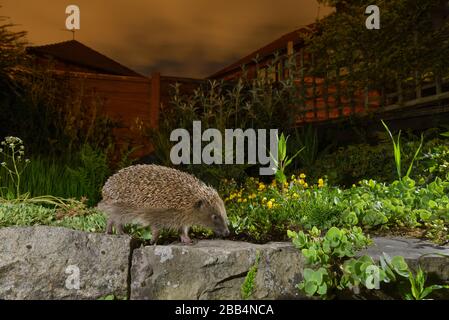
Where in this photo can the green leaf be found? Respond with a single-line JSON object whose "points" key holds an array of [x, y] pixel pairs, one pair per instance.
{"points": [[414, 157], [308, 273], [400, 266], [317, 276], [292, 234], [296, 154], [315, 232], [322, 290], [282, 148], [310, 288]]}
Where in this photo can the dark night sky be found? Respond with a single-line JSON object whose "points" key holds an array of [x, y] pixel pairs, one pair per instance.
{"points": [[192, 38]]}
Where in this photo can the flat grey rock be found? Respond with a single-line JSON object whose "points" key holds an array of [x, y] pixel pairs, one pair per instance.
{"points": [[46, 263], [431, 257], [407, 247], [215, 269]]}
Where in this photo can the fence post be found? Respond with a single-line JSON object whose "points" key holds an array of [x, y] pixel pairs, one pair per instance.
{"points": [[303, 84], [338, 93], [326, 95], [155, 99], [366, 98], [314, 89]]}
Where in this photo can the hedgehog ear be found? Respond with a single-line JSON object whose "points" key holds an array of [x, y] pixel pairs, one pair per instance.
{"points": [[199, 204]]}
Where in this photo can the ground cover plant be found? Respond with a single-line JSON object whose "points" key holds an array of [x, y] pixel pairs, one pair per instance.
{"points": [[335, 267]]}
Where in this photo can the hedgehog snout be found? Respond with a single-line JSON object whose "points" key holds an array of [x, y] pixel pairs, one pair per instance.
{"points": [[222, 232]]}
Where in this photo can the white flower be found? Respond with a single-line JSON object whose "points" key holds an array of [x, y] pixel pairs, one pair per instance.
{"points": [[13, 140]]}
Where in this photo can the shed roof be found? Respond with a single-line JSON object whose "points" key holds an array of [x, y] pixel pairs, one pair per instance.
{"points": [[74, 52], [277, 45]]}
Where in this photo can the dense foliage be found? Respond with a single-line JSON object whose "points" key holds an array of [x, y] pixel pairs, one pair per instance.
{"points": [[260, 212], [335, 267], [348, 165], [243, 103], [409, 47]]}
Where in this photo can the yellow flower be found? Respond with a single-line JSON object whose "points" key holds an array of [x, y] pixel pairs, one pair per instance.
{"points": [[295, 195], [301, 181], [273, 183], [252, 196], [320, 183], [293, 177], [245, 200], [264, 200], [261, 186], [302, 176], [239, 200], [353, 185], [269, 204], [306, 185]]}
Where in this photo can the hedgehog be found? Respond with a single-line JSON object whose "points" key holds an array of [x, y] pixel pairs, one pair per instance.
{"points": [[162, 198]]}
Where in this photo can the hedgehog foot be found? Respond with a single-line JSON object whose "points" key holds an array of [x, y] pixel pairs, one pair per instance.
{"points": [[186, 240]]}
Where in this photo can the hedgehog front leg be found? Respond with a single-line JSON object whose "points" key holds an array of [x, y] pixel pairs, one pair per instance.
{"points": [[154, 235], [109, 226], [119, 228], [185, 235]]}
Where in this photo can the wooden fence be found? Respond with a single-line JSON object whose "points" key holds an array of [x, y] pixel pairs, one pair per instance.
{"points": [[132, 102], [334, 98]]}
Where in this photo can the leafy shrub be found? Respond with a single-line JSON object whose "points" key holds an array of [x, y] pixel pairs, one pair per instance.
{"points": [[348, 165], [80, 176], [53, 117], [26, 214], [91, 173], [245, 103], [334, 267], [328, 254], [265, 212]]}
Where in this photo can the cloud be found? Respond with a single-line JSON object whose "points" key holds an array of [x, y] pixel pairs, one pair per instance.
{"points": [[191, 38]]}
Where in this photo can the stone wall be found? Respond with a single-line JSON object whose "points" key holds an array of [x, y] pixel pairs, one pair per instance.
{"points": [[57, 263]]}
